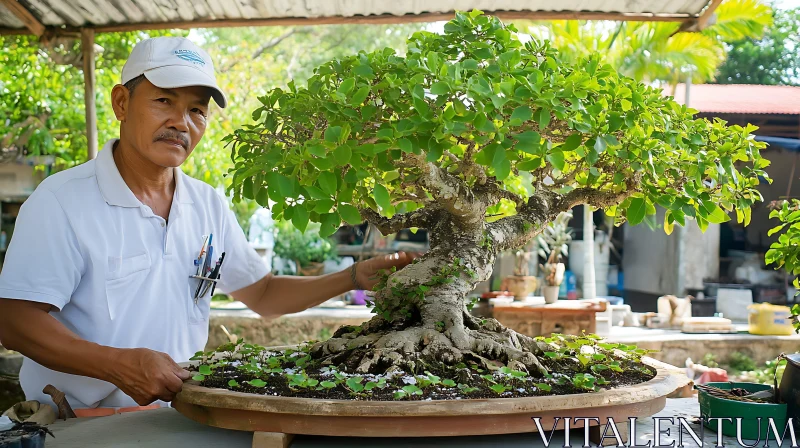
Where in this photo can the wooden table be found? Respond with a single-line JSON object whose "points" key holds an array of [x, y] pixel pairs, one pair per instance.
{"points": [[565, 316]]}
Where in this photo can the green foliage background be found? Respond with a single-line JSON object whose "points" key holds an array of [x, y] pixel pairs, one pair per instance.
{"points": [[41, 86]]}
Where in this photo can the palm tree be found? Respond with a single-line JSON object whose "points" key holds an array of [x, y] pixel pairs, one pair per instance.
{"points": [[658, 51]]}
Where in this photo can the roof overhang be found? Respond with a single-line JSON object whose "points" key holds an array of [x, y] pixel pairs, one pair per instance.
{"points": [[40, 17]]}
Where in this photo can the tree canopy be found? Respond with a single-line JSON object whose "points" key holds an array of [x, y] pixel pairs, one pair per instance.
{"points": [[474, 115], [770, 60]]}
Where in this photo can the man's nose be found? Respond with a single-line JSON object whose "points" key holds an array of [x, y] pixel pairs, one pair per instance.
{"points": [[179, 120]]}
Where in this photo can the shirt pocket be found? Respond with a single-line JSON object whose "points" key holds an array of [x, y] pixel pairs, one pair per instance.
{"points": [[198, 312], [125, 276]]}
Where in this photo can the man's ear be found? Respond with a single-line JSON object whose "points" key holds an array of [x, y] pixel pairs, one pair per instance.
{"points": [[120, 101]]}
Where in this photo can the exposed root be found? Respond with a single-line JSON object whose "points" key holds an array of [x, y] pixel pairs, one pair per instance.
{"points": [[490, 345]]}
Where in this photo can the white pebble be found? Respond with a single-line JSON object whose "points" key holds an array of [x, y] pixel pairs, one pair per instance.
{"points": [[409, 379]]}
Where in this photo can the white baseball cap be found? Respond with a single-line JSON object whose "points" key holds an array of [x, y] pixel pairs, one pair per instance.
{"points": [[172, 62]]}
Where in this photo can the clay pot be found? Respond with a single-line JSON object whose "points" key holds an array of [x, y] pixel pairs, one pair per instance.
{"points": [[311, 270], [550, 293], [520, 286]]}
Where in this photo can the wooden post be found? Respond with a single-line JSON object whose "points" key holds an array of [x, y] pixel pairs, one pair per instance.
{"points": [[87, 50]]}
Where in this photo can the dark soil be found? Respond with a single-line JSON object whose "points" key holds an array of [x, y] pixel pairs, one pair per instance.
{"points": [[277, 370]]}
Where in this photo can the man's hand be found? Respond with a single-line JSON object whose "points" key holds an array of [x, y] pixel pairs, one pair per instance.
{"points": [[146, 375], [367, 270]]}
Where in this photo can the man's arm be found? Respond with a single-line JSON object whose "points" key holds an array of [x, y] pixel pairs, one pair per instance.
{"points": [[276, 295], [144, 375]]}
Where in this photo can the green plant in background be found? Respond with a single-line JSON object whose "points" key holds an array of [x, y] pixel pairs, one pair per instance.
{"points": [[659, 51], [785, 253], [553, 242], [765, 374], [475, 133], [41, 82], [770, 60], [741, 362], [303, 248], [709, 360]]}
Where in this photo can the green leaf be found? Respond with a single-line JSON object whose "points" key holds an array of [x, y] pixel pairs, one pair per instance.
{"points": [[499, 388], [440, 88], [636, 211], [199, 377], [342, 154], [333, 133], [256, 382], [556, 158], [543, 387], [522, 113], [300, 217], [204, 370], [543, 117], [718, 216], [328, 182], [354, 383], [572, 142], [381, 196], [599, 145], [350, 214], [412, 390], [363, 70], [329, 223], [327, 384], [360, 95], [346, 86], [529, 141]]}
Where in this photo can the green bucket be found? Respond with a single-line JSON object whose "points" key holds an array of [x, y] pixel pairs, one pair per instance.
{"points": [[714, 407]]}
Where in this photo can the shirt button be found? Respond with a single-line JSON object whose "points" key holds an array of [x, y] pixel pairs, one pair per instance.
{"points": [[162, 224]]}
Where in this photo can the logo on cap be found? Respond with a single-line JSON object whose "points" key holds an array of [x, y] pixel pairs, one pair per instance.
{"points": [[190, 55]]}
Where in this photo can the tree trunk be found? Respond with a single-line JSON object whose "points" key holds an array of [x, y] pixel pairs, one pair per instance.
{"points": [[411, 332]]}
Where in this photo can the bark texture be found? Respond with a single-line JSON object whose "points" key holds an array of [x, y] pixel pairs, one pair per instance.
{"points": [[415, 332]]}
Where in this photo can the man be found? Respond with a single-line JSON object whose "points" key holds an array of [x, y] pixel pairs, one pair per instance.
{"points": [[96, 288]]}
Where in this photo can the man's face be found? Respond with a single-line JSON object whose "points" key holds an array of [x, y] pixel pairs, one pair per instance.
{"points": [[162, 125]]}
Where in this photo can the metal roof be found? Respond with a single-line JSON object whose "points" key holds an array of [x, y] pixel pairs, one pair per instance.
{"points": [[741, 98], [38, 16]]}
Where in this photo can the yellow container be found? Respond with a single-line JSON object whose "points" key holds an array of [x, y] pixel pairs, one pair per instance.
{"points": [[769, 319]]}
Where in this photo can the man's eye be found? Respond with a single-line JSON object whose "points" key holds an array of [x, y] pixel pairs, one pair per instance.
{"points": [[199, 111]]}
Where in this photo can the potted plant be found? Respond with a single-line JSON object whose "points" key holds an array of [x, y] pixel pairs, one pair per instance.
{"points": [[306, 249], [553, 242], [483, 140], [521, 283]]}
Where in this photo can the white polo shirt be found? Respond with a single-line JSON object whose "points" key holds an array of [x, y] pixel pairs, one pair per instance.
{"points": [[118, 273]]}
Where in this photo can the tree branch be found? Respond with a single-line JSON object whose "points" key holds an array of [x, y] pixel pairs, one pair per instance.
{"points": [[272, 43], [491, 193], [450, 192], [421, 218], [514, 231]]}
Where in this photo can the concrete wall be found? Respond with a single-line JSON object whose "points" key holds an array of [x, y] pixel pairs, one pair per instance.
{"points": [[18, 179], [656, 264]]}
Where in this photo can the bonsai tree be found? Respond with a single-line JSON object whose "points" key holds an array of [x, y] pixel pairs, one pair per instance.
{"points": [[305, 248], [483, 140]]}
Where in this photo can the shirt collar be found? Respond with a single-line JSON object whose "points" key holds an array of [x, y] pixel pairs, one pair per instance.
{"points": [[113, 187]]}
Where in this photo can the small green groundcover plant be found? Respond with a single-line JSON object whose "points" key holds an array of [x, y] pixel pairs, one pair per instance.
{"points": [[483, 139], [576, 364]]}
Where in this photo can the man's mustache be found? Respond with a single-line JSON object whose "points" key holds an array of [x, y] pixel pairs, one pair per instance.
{"points": [[170, 135]]}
